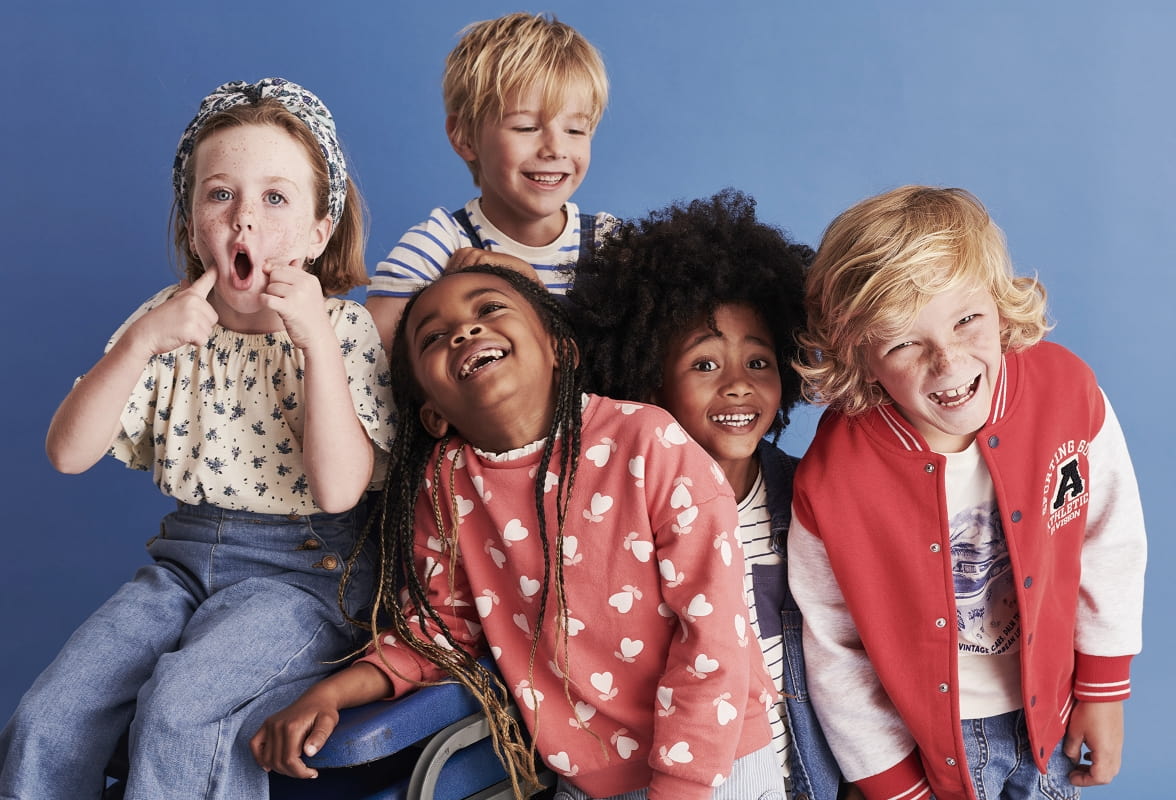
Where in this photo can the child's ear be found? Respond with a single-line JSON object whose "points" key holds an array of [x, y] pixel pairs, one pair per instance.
{"points": [[319, 236], [434, 423], [459, 145]]}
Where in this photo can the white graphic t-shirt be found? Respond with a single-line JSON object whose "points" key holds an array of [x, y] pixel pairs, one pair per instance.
{"points": [[987, 618]]}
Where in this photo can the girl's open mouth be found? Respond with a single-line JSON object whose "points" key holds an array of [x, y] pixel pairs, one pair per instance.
{"points": [[242, 265], [478, 360]]}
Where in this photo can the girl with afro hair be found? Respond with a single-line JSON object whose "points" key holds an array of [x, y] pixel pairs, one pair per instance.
{"points": [[696, 308]]}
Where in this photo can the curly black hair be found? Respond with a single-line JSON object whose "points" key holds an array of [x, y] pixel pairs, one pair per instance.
{"points": [[655, 278]]}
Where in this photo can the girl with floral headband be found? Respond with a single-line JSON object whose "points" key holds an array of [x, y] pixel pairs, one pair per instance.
{"points": [[259, 403]]}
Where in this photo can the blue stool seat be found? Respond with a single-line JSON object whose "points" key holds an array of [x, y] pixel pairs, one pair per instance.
{"points": [[431, 744]]}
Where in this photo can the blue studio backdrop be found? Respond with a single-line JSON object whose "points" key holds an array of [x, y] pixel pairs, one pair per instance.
{"points": [[1058, 115]]}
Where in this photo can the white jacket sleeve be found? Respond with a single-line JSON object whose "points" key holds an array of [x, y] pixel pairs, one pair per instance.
{"points": [[1110, 597], [863, 728]]}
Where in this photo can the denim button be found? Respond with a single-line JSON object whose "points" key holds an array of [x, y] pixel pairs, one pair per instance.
{"points": [[293, 517], [994, 441], [1028, 581], [929, 468], [935, 548], [941, 623], [1015, 516], [943, 687], [951, 762]]}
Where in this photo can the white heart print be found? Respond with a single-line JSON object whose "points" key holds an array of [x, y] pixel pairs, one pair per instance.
{"points": [[699, 607], [599, 454], [600, 504], [514, 531], [637, 469]]}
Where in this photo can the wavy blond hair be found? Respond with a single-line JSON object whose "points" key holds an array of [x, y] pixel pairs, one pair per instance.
{"points": [[498, 59], [879, 264]]}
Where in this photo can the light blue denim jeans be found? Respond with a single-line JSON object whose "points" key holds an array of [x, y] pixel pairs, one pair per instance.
{"points": [[756, 776], [1000, 761], [237, 617]]}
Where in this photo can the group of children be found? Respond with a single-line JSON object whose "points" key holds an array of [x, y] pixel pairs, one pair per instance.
{"points": [[567, 460]]}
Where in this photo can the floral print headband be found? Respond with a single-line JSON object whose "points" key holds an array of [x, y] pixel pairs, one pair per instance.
{"points": [[299, 102]]}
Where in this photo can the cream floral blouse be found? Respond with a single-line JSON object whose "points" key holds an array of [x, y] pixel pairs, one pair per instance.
{"points": [[222, 423]]}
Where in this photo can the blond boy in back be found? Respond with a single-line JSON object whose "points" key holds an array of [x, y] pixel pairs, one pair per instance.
{"points": [[523, 95]]}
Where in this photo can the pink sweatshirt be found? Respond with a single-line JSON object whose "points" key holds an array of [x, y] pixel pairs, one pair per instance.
{"points": [[666, 679]]}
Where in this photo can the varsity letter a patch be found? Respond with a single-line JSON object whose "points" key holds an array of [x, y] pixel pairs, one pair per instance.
{"points": [[1070, 483], [1066, 487]]}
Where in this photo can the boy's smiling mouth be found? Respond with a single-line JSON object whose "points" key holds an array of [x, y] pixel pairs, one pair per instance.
{"points": [[546, 178], [951, 398], [478, 360]]}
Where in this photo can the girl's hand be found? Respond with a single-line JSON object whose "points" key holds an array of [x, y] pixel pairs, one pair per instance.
{"points": [[302, 728], [185, 318], [297, 297], [306, 724]]}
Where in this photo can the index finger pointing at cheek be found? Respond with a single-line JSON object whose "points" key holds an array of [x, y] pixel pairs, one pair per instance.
{"points": [[203, 285]]}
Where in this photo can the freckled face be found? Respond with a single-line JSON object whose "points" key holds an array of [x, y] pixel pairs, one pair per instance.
{"points": [[724, 388], [253, 203], [941, 372]]}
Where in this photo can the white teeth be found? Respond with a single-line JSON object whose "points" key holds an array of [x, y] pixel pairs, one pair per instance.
{"points": [[550, 179], [479, 360], [734, 420], [954, 397]]}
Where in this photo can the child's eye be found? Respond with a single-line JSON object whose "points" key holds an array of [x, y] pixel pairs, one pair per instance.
{"points": [[490, 307], [525, 128], [221, 195], [967, 319], [275, 198], [706, 365], [900, 346], [759, 363], [430, 338], [577, 132]]}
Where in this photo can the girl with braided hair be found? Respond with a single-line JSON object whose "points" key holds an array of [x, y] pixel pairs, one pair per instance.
{"points": [[589, 544], [258, 402]]}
